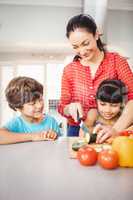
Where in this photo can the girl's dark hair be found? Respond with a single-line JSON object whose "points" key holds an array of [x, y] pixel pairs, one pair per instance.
{"points": [[86, 22], [21, 90], [111, 91]]}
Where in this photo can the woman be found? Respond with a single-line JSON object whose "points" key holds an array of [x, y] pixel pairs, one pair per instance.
{"points": [[81, 78]]}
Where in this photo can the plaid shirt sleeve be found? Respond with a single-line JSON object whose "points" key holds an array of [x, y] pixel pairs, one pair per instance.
{"points": [[125, 74], [75, 88]]}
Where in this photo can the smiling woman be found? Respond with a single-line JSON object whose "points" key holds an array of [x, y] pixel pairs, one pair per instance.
{"points": [[91, 65]]}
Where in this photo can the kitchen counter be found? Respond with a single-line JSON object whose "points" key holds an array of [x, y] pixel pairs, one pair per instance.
{"points": [[44, 171]]}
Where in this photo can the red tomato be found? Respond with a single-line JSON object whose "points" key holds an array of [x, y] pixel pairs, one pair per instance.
{"points": [[108, 159], [87, 155], [126, 133]]}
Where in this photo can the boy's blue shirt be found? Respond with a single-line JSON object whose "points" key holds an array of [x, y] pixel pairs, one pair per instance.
{"points": [[20, 125]]}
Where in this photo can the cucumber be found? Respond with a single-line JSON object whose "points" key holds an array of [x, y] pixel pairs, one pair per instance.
{"points": [[93, 137], [77, 145]]}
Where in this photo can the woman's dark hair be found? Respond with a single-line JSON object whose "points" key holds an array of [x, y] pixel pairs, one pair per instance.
{"points": [[111, 91], [21, 90], [86, 22]]}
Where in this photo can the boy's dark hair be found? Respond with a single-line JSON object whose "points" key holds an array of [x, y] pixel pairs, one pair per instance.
{"points": [[21, 90], [87, 22], [111, 91]]}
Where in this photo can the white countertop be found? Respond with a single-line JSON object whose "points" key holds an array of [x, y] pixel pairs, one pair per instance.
{"points": [[44, 171]]}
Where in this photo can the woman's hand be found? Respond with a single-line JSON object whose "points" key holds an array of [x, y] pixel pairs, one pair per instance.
{"points": [[104, 132], [74, 110]]}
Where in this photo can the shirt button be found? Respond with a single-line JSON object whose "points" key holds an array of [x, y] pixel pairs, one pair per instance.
{"points": [[91, 87], [91, 96]]}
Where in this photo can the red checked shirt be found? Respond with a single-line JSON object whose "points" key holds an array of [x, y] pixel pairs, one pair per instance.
{"points": [[79, 86]]}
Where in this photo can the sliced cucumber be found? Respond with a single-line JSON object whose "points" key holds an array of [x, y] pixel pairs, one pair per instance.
{"points": [[87, 137], [78, 144]]}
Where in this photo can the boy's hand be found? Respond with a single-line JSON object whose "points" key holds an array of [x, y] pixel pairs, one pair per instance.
{"points": [[51, 135], [46, 135]]}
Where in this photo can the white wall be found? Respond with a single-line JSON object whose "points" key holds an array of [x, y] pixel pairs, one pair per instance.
{"points": [[27, 25], [97, 9], [119, 29], [39, 25], [70, 3]]}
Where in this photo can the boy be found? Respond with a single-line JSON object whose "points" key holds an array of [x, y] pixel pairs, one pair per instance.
{"points": [[110, 98], [25, 95]]}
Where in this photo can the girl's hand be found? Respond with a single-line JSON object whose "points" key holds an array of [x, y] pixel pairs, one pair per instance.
{"points": [[74, 110], [104, 132]]}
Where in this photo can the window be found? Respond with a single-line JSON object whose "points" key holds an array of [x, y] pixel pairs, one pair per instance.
{"points": [[54, 73], [6, 76]]}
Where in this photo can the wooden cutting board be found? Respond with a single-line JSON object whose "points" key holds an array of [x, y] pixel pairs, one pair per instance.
{"points": [[97, 147]]}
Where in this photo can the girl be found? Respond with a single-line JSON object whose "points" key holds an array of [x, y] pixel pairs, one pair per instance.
{"points": [[110, 97]]}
